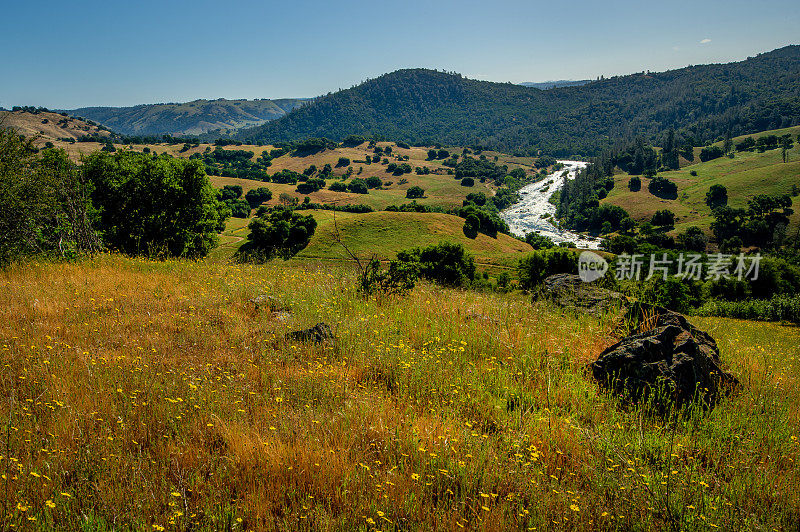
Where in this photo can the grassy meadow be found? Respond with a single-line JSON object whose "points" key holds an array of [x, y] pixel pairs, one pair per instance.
{"points": [[154, 396], [745, 175]]}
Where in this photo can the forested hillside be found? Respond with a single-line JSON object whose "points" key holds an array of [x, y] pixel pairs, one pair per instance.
{"points": [[422, 106], [192, 118]]}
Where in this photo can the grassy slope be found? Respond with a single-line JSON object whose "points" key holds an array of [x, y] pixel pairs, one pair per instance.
{"points": [[384, 234], [745, 175], [113, 366]]}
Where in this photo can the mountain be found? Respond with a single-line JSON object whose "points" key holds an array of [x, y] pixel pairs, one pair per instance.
{"points": [[426, 106], [544, 85], [192, 118]]}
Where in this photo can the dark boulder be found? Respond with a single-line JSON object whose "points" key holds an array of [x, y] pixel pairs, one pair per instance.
{"points": [[317, 334], [671, 363]]}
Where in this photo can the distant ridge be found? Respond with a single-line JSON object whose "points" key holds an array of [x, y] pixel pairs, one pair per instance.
{"points": [[190, 118], [544, 85], [423, 106]]}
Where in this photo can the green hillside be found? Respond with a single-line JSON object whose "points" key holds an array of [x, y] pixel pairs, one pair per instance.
{"points": [[191, 118], [427, 106], [745, 175]]}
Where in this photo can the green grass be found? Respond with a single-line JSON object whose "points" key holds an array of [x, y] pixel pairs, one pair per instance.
{"points": [[140, 395], [747, 174], [384, 234]]}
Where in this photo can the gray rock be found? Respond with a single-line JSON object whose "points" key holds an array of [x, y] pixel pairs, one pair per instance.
{"points": [[673, 363], [568, 290], [318, 333]]}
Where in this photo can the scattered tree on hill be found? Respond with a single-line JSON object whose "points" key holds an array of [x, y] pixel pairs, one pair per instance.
{"points": [[445, 263], [257, 196], [277, 232], [717, 196], [693, 239], [663, 188], [635, 184], [663, 218], [415, 192]]}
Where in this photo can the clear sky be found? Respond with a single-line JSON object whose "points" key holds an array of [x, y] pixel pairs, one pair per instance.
{"points": [[82, 53]]}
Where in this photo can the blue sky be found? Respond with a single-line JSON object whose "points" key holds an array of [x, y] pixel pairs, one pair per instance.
{"points": [[81, 53]]}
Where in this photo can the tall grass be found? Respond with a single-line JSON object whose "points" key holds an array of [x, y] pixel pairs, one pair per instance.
{"points": [[150, 395], [778, 308]]}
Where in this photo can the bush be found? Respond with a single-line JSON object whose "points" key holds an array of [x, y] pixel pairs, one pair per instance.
{"points": [[358, 186], [445, 263], [239, 208], [338, 186], [312, 185], [711, 152], [343, 161], [539, 265], [777, 308], [397, 280], [155, 205], [231, 192], [277, 232], [538, 241], [257, 196], [467, 182], [374, 182], [717, 196], [415, 192], [663, 188], [663, 218]]}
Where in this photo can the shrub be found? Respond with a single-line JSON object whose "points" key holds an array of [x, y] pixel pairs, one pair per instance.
{"points": [[711, 152], [538, 241], [239, 208], [415, 192], [663, 188], [445, 263], [537, 266], [277, 232], [717, 196], [397, 280], [257, 196], [358, 186], [663, 218]]}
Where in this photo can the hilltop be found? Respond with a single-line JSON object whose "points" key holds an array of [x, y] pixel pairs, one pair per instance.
{"points": [[425, 106], [190, 118], [50, 125]]}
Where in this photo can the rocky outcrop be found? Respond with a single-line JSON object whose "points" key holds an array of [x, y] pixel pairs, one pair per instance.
{"points": [[672, 363], [319, 333], [570, 291]]}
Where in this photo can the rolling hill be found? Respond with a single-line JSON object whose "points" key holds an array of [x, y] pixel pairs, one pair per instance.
{"points": [[426, 106], [191, 118], [744, 176]]}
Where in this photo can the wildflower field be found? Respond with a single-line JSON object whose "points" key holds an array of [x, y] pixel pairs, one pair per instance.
{"points": [[139, 395]]}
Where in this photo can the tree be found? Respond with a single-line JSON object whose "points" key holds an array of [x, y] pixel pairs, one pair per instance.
{"points": [[711, 152], [635, 184], [693, 239], [415, 192], [257, 196], [446, 263], [45, 208], [663, 218], [472, 225], [358, 186], [154, 205], [717, 196], [663, 188], [287, 199], [231, 192], [467, 182], [278, 232], [538, 241]]}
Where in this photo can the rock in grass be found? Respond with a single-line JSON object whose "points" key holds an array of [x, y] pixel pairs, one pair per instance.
{"points": [[317, 334], [568, 290], [673, 363]]}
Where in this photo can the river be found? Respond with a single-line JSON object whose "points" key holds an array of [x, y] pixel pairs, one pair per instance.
{"points": [[534, 212]]}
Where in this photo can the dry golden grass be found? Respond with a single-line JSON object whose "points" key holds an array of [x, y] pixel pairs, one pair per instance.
{"points": [[150, 395]]}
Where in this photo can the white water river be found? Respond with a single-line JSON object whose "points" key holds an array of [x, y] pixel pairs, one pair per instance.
{"points": [[535, 213]]}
